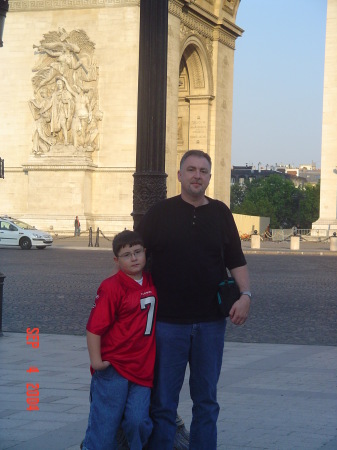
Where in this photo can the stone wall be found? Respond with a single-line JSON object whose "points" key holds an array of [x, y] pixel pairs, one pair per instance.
{"points": [[49, 181], [51, 189]]}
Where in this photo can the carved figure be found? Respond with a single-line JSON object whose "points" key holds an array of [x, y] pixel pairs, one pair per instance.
{"points": [[68, 55], [82, 116], [62, 107], [42, 138], [64, 54], [93, 140], [65, 94]]}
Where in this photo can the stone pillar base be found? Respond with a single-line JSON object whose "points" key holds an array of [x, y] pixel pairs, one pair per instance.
{"points": [[255, 241], [333, 244], [294, 243]]}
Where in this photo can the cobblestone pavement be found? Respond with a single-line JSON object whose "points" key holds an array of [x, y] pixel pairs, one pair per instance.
{"points": [[295, 296]]}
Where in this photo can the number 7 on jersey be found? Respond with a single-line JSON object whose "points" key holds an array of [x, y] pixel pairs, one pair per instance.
{"points": [[150, 313]]}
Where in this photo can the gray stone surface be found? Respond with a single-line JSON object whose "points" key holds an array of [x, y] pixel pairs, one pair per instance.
{"points": [[278, 385], [272, 396], [294, 294]]}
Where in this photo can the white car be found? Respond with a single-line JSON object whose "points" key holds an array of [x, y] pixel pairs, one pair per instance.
{"points": [[14, 232]]}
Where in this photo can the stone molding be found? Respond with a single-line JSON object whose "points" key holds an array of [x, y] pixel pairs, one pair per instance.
{"points": [[195, 26], [103, 217], [190, 24], [47, 5], [57, 168], [85, 216], [224, 38], [60, 167], [231, 6], [202, 98], [175, 8]]}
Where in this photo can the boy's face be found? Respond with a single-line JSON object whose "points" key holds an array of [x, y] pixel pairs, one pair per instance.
{"points": [[131, 260]]}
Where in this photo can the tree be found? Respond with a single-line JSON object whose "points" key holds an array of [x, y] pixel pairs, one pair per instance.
{"points": [[279, 199], [309, 205], [238, 193]]}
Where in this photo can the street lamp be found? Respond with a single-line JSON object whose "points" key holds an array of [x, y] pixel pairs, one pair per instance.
{"points": [[3, 11]]}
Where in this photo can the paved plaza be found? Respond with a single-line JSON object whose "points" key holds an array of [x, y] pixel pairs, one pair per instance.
{"points": [[278, 385]]}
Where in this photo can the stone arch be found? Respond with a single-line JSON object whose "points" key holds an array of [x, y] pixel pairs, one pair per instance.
{"points": [[198, 62], [194, 98]]}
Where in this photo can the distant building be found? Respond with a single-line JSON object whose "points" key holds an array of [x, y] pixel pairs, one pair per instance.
{"points": [[304, 174], [241, 174], [312, 175]]}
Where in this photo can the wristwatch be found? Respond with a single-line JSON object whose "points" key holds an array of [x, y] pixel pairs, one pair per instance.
{"points": [[246, 293]]}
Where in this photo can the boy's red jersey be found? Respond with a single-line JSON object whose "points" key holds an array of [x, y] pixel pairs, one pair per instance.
{"points": [[124, 315]]}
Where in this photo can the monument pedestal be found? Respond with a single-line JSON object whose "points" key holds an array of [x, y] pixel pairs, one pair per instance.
{"points": [[324, 227], [58, 189]]}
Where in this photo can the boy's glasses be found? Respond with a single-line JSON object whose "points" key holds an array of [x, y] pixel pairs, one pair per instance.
{"points": [[129, 255]]}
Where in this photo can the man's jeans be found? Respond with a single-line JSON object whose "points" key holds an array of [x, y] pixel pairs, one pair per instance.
{"points": [[200, 345], [116, 401]]}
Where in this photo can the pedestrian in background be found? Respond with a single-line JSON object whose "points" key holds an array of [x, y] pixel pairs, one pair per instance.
{"points": [[77, 227]]}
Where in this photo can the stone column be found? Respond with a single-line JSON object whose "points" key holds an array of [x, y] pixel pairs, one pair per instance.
{"points": [[199, 121], [328, 201], [3, 11], [150, 177]]}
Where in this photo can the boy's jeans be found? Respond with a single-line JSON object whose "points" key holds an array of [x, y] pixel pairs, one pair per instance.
{"points": [[200, 345], [115, 401]]}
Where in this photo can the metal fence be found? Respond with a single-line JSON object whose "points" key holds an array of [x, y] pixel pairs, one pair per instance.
{"points": [[306, 234]]}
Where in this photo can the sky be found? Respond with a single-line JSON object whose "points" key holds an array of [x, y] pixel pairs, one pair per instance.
{"points": [[278, 82]]}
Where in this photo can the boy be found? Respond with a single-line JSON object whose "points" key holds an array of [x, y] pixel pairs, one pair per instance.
{"points": [[121, 345]]}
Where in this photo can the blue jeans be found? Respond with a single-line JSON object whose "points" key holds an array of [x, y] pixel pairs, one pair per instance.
{"points": [[115, 401], [200, 345]]}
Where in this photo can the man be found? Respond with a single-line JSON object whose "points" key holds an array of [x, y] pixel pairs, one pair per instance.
{"points": [[189, 239], [77, 226]]}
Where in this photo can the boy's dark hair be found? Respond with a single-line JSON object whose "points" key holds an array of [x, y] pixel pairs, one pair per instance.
{"points": [[198, 153], [124, 238]]}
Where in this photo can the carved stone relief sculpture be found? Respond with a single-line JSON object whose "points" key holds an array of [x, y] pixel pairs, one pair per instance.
{"points": [[65, 106]]}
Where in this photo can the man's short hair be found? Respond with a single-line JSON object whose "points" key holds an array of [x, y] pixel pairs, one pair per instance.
{"points": [[124, 238], [198, 153]]}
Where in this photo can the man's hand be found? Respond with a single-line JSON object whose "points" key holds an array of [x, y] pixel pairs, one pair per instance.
{"points": [[239, 312]]}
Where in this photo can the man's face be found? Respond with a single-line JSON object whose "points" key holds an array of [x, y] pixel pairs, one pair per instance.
{"points": [[131, 260], [194, 176], [59, 85]]}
